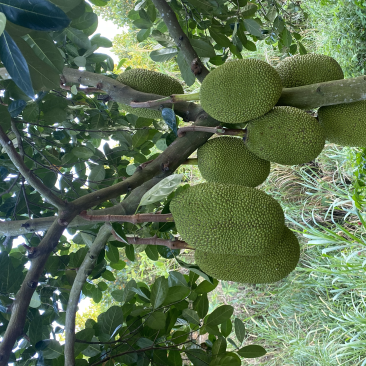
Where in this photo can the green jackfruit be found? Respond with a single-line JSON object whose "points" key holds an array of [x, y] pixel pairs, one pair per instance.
{"points": [[272, 267], [285, 135], [228, 218], [148, 81], [308, 69], [344, 124], [227, 160], [240, 90]]}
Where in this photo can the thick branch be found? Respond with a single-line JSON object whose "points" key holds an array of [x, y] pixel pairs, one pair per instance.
{"points": [[27, 173], [132, 219], [124, 94], [217, 130], [82, 274], [323, 94], [171, 244], [29, 285], [181, 39]]}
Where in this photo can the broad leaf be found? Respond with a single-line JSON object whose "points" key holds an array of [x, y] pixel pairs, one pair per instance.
{"points": [[253, 27], [156, 320], [35, 14], [163, 55], [2, 22], [239, 330], [110, 320], [220, 315], [159, 291], [252, 351]]}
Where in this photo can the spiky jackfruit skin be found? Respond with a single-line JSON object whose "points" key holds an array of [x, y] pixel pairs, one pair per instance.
{"points": [[285, 135], [308, 69], [268, 268], [148, 81], [344, 124], [240, 90], [227, 160], [225, 219]]}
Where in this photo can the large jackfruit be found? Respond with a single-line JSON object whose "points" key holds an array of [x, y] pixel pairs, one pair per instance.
{"points": [[228, 219], [240, 90], [344, 124], [226, 159], [285, 135], [308, 69], [148, 81], [268, 268]]}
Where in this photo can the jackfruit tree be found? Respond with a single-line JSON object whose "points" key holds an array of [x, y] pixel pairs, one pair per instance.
{"points": [[68, 146]]}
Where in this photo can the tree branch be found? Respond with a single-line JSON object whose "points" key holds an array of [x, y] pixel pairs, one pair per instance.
{"points": [[132, 219], [181, 39], [27, 173], [222, 131], [82, 274]]}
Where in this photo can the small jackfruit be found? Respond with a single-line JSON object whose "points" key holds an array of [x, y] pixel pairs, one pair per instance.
{"points": [[228, 218], [344, 124], [271, 267], [240, 90], [148, 81], [226, 159], [308, 69], [285, 135]]}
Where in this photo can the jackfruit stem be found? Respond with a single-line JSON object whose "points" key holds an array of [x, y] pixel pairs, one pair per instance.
{"points": [[216, 130], [133, 219], [174, 98], [191, 161], [171, 244]]}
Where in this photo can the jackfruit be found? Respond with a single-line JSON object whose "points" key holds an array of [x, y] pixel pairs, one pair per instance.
{"points": [[226, 159], [271, 267], [285, 135], [344, 124], [148, 81], [308, 69], [240, 90], [228, 218]]}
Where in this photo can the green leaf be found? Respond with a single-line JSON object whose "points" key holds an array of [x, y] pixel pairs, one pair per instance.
{"points": [[143, 34], [194, 268], [110, 320], [2, 22], [219, 347], [130, 252], [286, 38], [220, 38], [252, 351], [82, 152], [35, 14], [278, 25], [174, 358], [118, 295], [201, 305], [108, 275], [203, 48], [198, 357], [101, 41], [140, 137], [142, 23], [156, 320], [176, 293], [119, 265], [302, 49], [10, 277], [220, 315], [112, 253], [141, 293], [97, 174], [35, 329], [226, 328], [84, 21], [249, 10], [228, 359], [52, 350], [253, 27], [191, 316], [67, 5], [15, 64], [78, 37], [250, 46], [102, 286], [84, 335], [5, 118], [185, 69], [239, 330], [152, 252], [205, 287], [176, 279], [35, 300], [161, 190], [159, 291], [163, 55], [80, 61]]}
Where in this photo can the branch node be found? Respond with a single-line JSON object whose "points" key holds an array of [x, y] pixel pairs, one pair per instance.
{"points": [[32, 284], [196, 67]]}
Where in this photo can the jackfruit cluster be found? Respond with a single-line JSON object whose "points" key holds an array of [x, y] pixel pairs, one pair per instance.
{"points": [[344, 124], [227, 219], [268, 268], [227, 160], [148, 81], [240, 90], [285, 135], [308, 69]]}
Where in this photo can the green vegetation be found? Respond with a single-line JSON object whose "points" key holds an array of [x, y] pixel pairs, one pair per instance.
{"points": [[344, 124], [270, 267], [308, 69], [148, 81], [228, 219], [285, 135], [227, 160], [240, 90]]}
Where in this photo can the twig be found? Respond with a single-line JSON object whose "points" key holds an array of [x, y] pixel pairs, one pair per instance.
{"points": [[27, 173], [217, 130], [133, 219]]}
